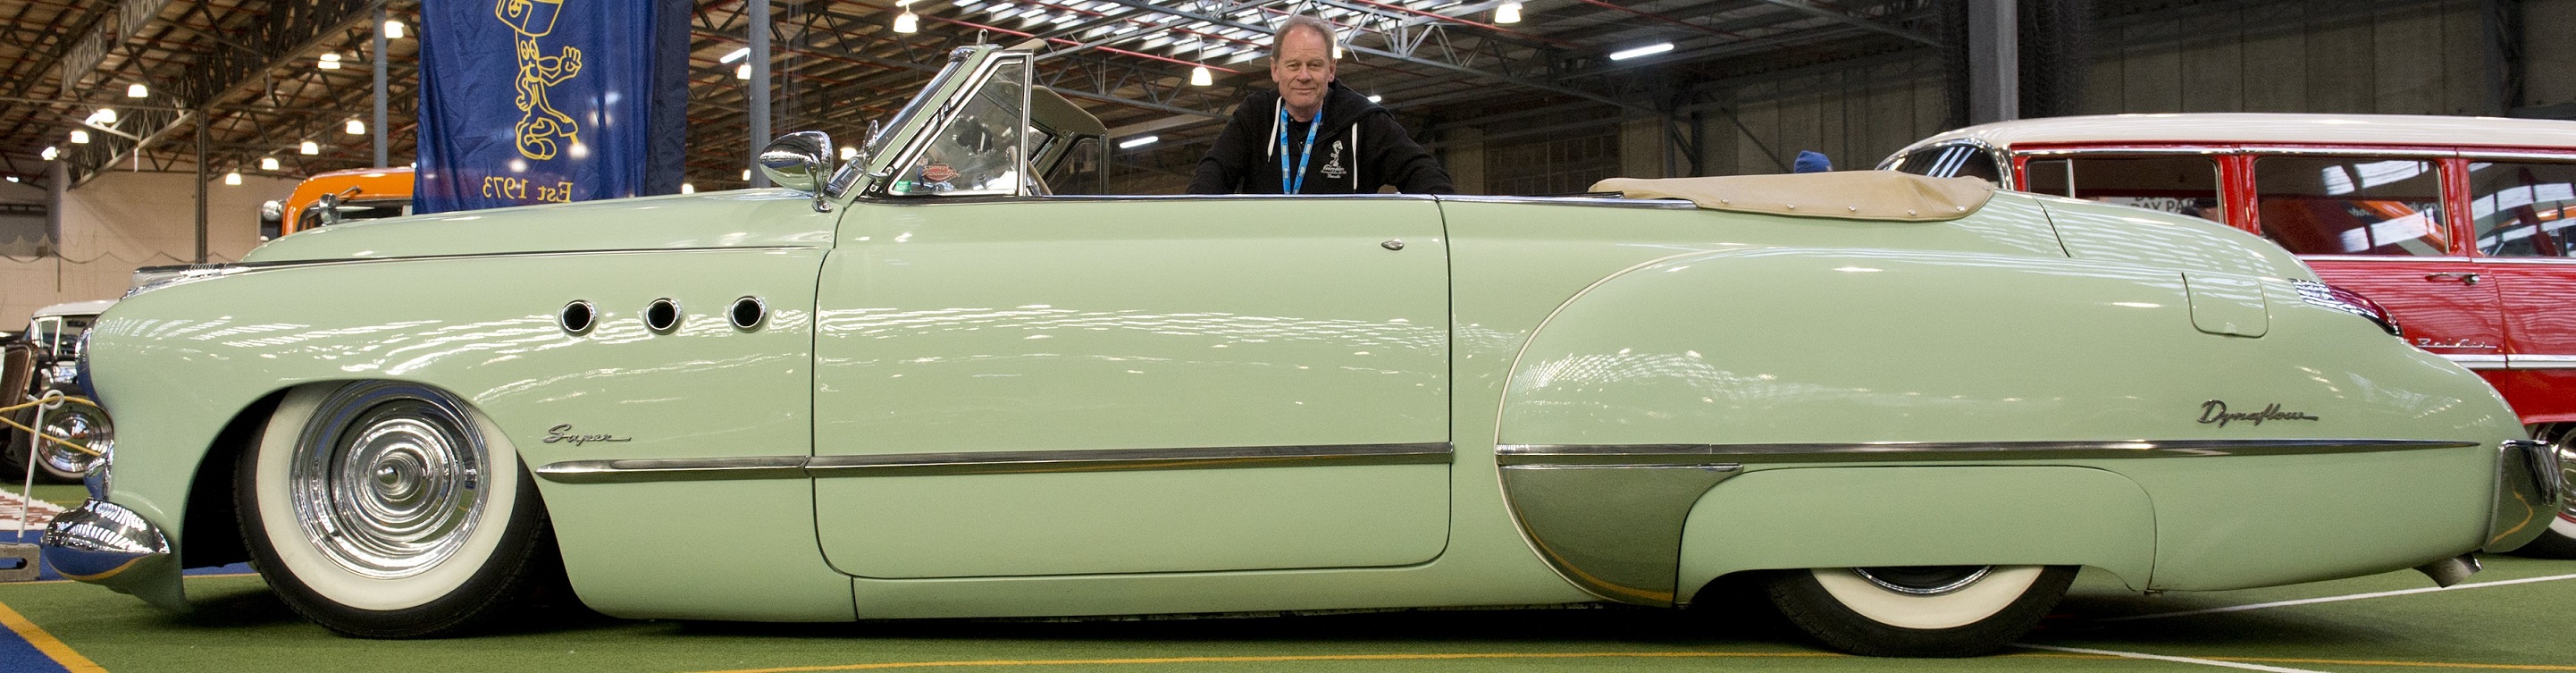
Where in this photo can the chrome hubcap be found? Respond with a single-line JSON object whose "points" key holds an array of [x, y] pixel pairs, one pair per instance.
{"points": [[79, 426], [1923, 580], [388, 478], [2564, 442]]}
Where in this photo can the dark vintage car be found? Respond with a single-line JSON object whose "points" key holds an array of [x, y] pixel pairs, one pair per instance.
{"points": [[37, 363]]}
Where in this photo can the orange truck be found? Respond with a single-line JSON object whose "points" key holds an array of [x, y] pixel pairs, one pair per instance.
{"points": [[355, 194]]}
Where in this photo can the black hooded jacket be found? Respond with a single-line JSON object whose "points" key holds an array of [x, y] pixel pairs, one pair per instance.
{"points": [[1359, 148]]}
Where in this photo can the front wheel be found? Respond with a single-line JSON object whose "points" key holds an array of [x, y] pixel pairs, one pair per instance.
{"points": [[392, 510], [2559, 542], [1919, 611]]}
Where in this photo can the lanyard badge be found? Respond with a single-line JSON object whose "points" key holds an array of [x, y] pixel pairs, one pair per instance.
{"points": [[1295, 182]]}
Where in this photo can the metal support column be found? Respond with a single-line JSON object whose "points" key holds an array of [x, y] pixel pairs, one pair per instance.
{"points": [[757, 90], [1994, 62], [378, 56], [201, 185]]}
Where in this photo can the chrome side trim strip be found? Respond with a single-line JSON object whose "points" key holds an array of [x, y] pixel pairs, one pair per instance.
{"points": [[990, 462], [1126, 460], [2384, 258], [1605, 455], [2476, 361], [2540, 361], [281, 264], [2543, 261], [673, 469]]}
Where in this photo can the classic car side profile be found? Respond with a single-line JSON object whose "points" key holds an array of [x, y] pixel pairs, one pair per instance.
{"points": [[37, 365], [932, 383], [2458, 225]]}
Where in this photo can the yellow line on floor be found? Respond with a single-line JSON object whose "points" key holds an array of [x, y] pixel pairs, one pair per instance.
{"points": [[45, 642], [1280, 658], [2422, 664]]}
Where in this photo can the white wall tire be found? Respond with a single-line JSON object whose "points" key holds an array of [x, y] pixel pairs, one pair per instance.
{"points": [[2559, 542], [391, 510], [1962, 611]]}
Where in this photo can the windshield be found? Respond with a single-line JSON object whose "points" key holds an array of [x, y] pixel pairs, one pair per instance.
{"points": [[911, 111]]}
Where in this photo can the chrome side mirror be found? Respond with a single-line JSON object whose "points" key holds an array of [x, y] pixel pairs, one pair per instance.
{"points": [[800, 161]]}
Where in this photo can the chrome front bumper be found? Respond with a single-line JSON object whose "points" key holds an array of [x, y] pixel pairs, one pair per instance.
{"points": [[2529, 490], [104, 544]]}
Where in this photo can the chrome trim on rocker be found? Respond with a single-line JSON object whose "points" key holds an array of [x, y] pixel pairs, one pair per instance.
{"points": [[1608, 517], [2480, 362], [990, 462], [106, 544], [2530, 488], [1126, 460]]}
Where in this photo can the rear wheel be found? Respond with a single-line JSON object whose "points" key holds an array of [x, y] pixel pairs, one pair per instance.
{"points": [[1919, 611], [392, 510], [2559, 542]]}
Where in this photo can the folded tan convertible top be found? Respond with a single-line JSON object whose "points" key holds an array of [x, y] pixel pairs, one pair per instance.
{"points": [[1860, 195]]}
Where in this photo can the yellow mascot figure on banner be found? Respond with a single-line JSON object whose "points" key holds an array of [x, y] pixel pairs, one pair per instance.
{"points": [[540, 123]]}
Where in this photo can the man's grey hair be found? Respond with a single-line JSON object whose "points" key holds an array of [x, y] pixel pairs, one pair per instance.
{"points": [[1297, 22]]}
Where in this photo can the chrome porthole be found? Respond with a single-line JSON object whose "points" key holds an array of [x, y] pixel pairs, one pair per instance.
{"points": [[1923, 580], [747, 313], [578, 317], [388, 480], [662, 316]]}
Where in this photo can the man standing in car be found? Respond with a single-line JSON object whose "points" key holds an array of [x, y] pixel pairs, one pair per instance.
{"points": [[1313, 135]]}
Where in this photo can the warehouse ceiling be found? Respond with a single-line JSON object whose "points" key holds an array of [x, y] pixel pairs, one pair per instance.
{"points": [[258, 76]]}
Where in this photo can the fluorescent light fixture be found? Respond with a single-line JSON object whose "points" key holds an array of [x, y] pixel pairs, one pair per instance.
{"points": [[13, 178], [849, 152], [746, 175], [80, 137], [735, 55], [1648, 50], [1138, 141], [309, 148], [1509, 12], [1199, 76], [355, 128], [330, 60], [268, 163], [105, 116], [233, 178], [902, 3], [686, 188], [393, 29], [51, 152], [742, 71], [907, 22], [1374, 98], [138, 90]]}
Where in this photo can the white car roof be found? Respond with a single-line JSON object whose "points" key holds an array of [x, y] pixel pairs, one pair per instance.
{"points": [[2270, 128], [75, 308]]}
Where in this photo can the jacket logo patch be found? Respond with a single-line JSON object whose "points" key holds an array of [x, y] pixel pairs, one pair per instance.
{"points": [[1333, 163]]}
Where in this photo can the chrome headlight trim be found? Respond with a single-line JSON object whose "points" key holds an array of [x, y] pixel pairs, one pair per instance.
{"points": [[151, 278]]}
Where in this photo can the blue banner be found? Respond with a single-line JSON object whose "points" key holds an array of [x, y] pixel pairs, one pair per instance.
{"points": [[525, 102]]}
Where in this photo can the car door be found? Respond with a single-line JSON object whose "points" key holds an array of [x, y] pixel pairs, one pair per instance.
{"points": [[2523, 213], [1063, 386], [2376, 225]]}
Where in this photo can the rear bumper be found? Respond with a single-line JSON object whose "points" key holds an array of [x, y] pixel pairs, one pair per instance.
{"points": [[2529, 491], [104, 544]]}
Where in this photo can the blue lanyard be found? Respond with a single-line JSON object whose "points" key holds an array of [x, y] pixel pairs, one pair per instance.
{"points": [[1298, 182]]}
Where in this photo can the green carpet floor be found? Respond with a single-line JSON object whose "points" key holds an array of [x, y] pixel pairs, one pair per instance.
{"points": [[239, 626]]}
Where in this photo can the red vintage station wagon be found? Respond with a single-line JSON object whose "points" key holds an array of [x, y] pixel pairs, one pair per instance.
{"points": [[2459, 226]]}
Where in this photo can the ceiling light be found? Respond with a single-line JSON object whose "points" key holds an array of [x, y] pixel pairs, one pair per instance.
{"points": [[80, 137], [393, 29], [742, 71], [907, 22], [1509, 12], [330, 60], [138, 90], [902, 3], [233, 178], [1139, 141], [50, 152], [735, 55], [356, 128], [746, 175], [849, 152], [686, 188], [1199, 76], [13, 178], [105, 116], [1373, 98], [309, 148], [1648, 50], [268, 163]]}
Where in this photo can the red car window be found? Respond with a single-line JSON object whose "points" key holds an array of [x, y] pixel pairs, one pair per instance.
{"points": [[2180, 184], [2351, 205], [2522, 208]]}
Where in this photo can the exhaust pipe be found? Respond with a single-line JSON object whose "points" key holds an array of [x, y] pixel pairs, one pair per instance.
{"points": [[2450, 571]]}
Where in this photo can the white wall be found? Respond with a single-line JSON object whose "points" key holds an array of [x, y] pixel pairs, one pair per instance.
{"points": [[121, 221]]}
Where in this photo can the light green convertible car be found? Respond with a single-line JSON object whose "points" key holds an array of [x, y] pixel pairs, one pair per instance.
{"points": [[932, 384]]}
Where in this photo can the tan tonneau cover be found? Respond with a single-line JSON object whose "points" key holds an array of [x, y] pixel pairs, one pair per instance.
{"points": [[1857, 195]]}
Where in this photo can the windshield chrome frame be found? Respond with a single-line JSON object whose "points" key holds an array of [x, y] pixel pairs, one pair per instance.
{"points": [[982, 62]]}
